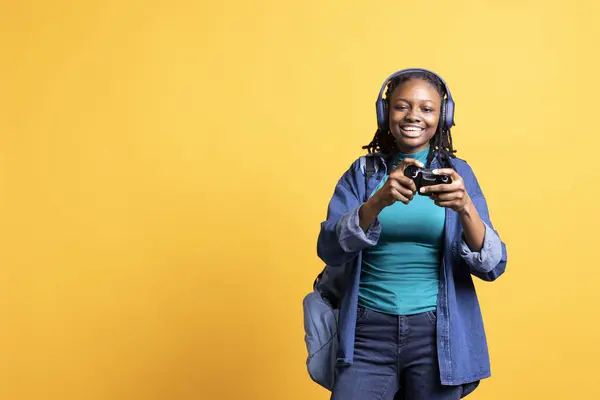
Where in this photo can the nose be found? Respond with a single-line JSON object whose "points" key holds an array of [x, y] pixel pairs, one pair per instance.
{"points": [[412, 115]]}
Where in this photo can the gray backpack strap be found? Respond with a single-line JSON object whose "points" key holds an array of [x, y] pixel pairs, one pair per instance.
{"points": [[369, 171]]}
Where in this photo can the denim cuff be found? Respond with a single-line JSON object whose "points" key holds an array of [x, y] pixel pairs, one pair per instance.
{"points": [[351, 236], [488, 257]]}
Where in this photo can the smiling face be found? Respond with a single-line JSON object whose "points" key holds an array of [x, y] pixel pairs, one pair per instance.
{"points": [[414, 113]]}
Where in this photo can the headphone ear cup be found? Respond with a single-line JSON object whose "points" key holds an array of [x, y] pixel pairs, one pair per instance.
{"points": [[443, 116], [381, 109], [384, 119], [449, 112]]}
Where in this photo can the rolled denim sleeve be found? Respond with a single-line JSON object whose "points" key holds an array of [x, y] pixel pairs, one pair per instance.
{"points": [[351, 236], [488, 257]]}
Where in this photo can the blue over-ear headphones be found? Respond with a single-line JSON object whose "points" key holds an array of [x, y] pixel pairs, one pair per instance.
{"points": [[381, 106]]}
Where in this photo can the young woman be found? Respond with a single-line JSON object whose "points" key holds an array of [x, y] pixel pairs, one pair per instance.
{"points": [[410, 322]]}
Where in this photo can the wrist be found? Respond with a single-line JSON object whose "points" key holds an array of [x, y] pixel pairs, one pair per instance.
{"points": [[367, 213], [468, 209], [374, 205]]}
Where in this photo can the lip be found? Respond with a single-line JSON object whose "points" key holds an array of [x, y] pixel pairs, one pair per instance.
{"points": [[413, 134]]}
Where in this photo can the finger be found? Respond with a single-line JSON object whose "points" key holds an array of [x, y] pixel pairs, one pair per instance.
{"points": [[404, 182], [447, 171], [406, 162], [448, 196], [399, 196], [405, 191], [442, 188], [412, 161], [446, 204]]}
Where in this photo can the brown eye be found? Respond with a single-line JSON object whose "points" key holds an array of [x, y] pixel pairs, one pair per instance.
{"points": [[400, 108], [428, 109]]}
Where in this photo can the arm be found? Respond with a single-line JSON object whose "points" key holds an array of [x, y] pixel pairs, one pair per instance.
{"points": [[485, 259], [489, 262], [473, 226], [341, 237], [352, 225], [480, 246], [368, 212]]}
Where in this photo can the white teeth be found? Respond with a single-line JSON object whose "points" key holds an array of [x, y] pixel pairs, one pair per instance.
{"points": [[412, 129]]}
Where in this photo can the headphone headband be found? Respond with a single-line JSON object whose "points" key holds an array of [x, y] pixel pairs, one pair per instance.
{"points": [[447, 104]]}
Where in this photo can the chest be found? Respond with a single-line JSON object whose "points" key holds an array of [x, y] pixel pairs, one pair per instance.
{"points": [[419, 221]]}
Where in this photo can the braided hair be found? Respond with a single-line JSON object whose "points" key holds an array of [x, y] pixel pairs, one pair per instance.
{"points": [[440, 145]]}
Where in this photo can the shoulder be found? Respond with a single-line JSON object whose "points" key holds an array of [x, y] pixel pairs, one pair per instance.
{"points": [[355, 174], [358, 167], [378, 161], [462, 166]]}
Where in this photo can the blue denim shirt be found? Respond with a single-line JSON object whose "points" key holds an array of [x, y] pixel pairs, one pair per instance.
{"points": [[462, 347]]}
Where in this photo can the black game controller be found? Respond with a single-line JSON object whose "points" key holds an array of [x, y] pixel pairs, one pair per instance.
{"points": [[425, 177]]}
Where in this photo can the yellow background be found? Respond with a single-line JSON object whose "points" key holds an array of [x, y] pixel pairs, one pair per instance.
{"points": [[165, 166]]}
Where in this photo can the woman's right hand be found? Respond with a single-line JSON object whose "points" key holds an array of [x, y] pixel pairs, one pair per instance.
{"points": [[397, 187]]}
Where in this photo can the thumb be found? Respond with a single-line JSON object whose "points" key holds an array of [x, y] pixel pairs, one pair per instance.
{"points": [[409, 161]]}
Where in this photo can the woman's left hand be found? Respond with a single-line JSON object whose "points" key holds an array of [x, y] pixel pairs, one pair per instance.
{"points": [[451, 195]]}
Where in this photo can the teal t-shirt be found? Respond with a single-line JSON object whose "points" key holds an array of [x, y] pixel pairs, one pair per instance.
{"points": [[400, 275]]}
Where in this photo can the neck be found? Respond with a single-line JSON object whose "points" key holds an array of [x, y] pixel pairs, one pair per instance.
{"points": [[419, 156], [413, 150]]}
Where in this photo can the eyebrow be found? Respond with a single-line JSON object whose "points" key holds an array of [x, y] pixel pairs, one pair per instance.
{"points": [[421, 100]]}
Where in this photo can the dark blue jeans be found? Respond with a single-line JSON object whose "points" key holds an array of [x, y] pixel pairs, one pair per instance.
{"points": [[393, 355]]}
